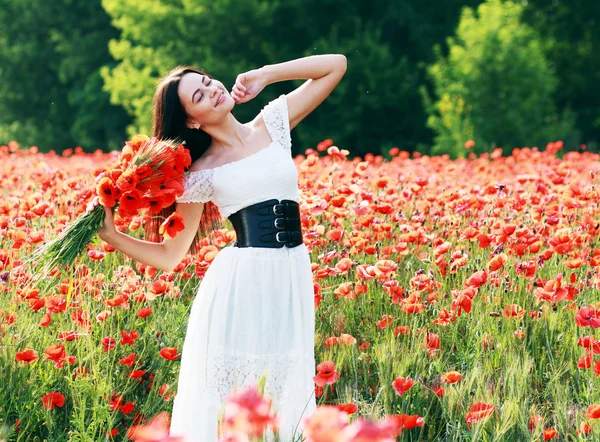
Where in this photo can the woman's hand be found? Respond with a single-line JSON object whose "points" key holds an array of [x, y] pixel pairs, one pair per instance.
{"points": [[248, 85], [108, 230]]}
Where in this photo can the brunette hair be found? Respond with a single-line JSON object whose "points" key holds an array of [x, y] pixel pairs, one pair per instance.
{"points": [[169, 122]]}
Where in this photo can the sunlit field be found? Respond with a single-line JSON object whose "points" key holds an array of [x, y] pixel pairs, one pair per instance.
{"points": [[462, 294]]}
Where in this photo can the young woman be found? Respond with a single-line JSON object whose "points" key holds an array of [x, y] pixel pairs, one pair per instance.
{"points": [[253, 312]]}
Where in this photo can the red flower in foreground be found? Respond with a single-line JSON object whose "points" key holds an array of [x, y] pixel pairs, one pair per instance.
{"points": [[127, 360], [583, 428], [135, 374], [156, 430], [364, 430], [593, 411], [348, 408], [588, 316], [438, 390], [129, 338], [169, 353], [401, 385], [53, 399], [108, 343], [478, 411], [325, 424], [534, 421], [144, 312], [172, 225], [549, 433], [326, 374], [127, 408], [248, 412], [451, 377], [406, 422], [27, 356]]}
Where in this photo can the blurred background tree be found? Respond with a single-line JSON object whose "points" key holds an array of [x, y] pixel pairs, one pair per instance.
{"points": [[570, 38], [495, 87], [51, 91], [91, 69], [375, 107]]}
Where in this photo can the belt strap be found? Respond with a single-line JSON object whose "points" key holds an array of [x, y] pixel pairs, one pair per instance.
{"points": [[273, 223]]}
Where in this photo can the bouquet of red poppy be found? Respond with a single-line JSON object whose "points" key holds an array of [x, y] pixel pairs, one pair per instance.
{"points": [[149, 176]]}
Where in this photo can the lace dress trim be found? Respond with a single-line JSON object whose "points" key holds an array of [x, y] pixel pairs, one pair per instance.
{"points": [[277, 122], [199, 184], [199, 187], [230, 368]]}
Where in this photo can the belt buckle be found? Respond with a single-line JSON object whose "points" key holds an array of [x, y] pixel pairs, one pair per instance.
{"points": [[279, 205], [278, 223], [282, 233]]}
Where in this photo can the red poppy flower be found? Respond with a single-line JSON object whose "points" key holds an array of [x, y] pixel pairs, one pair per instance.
{"points": [[401, 385], [172, 225], [169, 353], [348, 408], [53, 399], [326, 374], [451, 377], [479, 411], [27, 356], [593, 411]]}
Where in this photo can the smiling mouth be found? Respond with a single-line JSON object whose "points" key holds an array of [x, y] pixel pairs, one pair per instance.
{"points": [[220, 99]]}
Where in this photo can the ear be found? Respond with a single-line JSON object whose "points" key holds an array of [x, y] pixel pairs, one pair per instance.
{"points": [[192, 124]]}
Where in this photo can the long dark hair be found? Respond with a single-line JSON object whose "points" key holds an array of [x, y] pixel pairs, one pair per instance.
{"points": [[169, 122]]}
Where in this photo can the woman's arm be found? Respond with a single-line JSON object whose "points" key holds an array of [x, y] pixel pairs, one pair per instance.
{"points": [[168, 254], [146, 252], [312, 67], [324, 72]]}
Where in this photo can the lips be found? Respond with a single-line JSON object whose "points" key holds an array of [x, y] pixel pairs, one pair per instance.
{"points": [[220, 99]]}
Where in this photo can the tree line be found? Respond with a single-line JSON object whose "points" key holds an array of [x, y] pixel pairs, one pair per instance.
{"points": [[421, 78]]}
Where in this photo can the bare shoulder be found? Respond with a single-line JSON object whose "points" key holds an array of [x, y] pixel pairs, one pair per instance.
{"points": [[258, 122], [200, 163]]}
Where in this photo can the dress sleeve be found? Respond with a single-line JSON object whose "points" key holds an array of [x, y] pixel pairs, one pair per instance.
{"points": [[277, 121], [198, 187]]}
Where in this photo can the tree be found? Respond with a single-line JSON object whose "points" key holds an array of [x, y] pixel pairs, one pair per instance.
{"points": [[50, 86], [571, 42], [495, 86]]}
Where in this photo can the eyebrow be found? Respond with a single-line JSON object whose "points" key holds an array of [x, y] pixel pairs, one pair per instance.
{"points": [[198, 90]]}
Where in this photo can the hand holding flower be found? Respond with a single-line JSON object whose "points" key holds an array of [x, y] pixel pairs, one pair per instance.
{"points": [[108, 229]]}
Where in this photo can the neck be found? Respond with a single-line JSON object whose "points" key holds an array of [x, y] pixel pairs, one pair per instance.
{"points": [[228, 134]]}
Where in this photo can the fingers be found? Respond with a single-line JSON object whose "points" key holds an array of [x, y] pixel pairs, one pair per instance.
{"points": [[237, 95], [238, 91]]}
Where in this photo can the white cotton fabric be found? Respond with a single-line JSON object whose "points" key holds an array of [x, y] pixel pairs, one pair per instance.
{"points": [[254, 309], [267, 173]]}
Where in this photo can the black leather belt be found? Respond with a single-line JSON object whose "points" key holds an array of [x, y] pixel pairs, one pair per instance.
{"points": [[272, 223]]}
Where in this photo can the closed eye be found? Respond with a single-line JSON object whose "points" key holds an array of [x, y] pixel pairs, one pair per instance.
{"points": [[208, 84]]}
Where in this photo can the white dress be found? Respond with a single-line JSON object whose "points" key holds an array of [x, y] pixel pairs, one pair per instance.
{"points": [[254, 309]]}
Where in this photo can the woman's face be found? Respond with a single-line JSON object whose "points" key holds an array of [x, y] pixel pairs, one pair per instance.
{"points": [[200, 96]]}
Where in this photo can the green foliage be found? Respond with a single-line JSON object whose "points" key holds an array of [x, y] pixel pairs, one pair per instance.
{"points": [[50, 88], [495, 86], [62, 84], [159, 35], [571, 42], [374, 108]]}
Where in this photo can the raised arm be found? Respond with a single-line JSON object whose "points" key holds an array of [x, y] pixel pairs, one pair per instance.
{"points": [[168, 254], [323, 72]]}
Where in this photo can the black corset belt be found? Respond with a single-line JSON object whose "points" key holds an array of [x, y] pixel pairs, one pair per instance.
{"points": [[272, 223]]}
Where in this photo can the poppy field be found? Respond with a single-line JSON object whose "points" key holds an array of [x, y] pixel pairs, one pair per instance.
{"points": [[455, 300]]}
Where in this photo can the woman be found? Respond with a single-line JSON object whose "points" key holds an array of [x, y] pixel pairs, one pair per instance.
{"points": [[253, 313]]}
